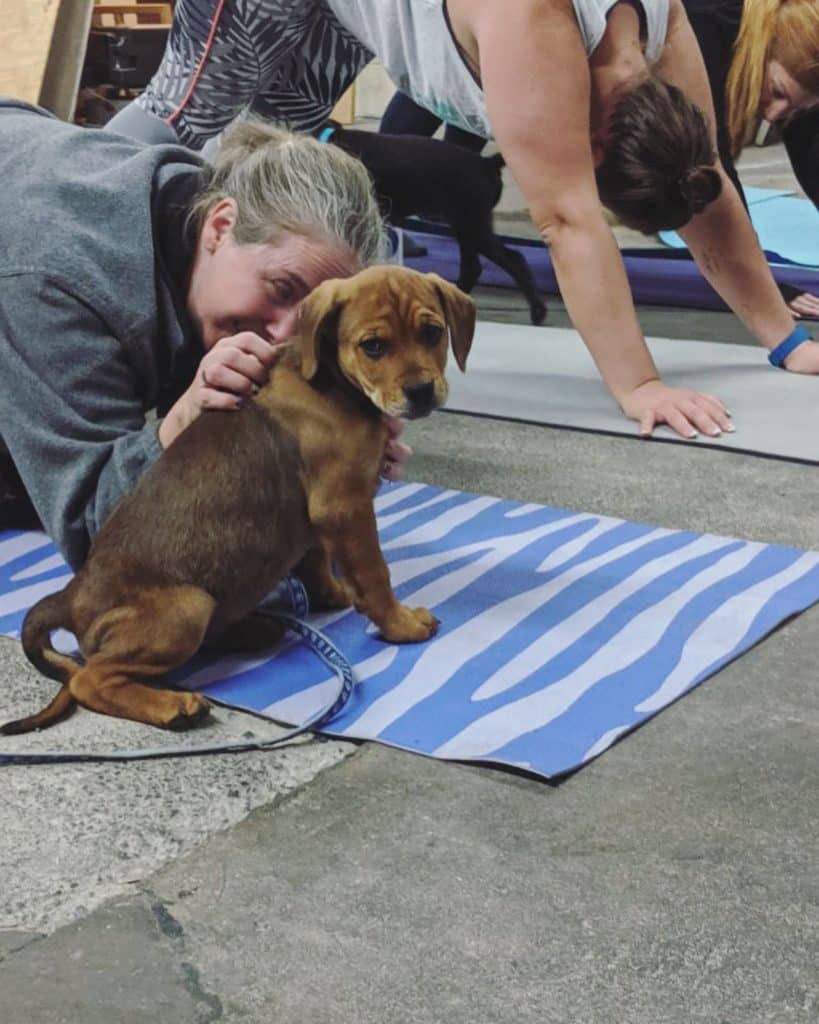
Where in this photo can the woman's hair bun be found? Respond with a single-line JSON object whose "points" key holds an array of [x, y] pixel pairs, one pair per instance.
{"points": [[700, 186]]}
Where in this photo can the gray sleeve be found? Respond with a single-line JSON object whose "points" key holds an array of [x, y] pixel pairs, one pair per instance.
{"points": [[136, 123], [71, 409]]}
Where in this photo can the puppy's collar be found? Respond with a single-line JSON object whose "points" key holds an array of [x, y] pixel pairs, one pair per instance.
{"points": [[326, 133]]}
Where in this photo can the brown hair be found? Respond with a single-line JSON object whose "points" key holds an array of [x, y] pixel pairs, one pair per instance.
{"points": [[658, 169], [786, 31]]}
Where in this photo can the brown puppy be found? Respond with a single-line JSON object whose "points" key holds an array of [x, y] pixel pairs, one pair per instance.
{"points": [[242, 498]]}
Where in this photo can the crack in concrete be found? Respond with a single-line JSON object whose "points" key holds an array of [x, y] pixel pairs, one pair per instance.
{"points": [[175, 932], [13, 941]]}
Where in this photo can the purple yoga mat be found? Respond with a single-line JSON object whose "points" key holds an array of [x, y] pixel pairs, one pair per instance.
{"points": [[661, 279]]}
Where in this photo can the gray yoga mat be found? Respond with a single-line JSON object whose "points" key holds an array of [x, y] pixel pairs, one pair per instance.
{"points": [[545, 375]]}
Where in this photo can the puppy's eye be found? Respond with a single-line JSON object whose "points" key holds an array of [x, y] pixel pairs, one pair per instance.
{"points": [[373, 348], [431, 334]]}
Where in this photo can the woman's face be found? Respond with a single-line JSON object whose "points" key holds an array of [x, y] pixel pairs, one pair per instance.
{"points": [[782, 95], [256, 288]]}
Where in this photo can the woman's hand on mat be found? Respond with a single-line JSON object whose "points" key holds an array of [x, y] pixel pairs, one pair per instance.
{"points": [[805, 305], [804, 358], [230, 373], [688, 412], [396, 453]]}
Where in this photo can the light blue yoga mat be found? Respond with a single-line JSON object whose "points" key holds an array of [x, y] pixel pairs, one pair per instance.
{"points": [[560, 631], [787, 226]]}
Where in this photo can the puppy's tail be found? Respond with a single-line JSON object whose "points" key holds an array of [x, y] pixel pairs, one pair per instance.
{"points": [[50, 613]]}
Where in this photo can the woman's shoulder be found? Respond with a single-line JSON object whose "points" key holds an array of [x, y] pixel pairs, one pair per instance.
{"points": [[76, 207]]}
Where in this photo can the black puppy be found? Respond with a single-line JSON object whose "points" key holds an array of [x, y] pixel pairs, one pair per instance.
{"points": [[415, 175]]}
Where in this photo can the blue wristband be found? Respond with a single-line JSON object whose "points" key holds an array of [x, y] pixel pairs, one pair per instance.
{"points": [[778, 355], [326, 134]]}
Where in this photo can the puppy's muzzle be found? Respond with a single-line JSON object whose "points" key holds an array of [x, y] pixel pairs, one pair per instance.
{"points": [[421, 399]]}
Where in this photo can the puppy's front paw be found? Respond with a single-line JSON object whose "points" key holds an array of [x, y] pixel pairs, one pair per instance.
{"points": [[409, 626]]}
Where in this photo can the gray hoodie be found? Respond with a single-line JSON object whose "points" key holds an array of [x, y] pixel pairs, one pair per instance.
{"points": [[89, 333]]}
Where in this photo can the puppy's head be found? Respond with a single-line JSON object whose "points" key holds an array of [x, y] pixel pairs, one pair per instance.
{"points": [[386, 330]]}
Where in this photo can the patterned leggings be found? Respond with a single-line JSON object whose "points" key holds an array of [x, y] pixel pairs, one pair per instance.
{"points": [[288, 61]]}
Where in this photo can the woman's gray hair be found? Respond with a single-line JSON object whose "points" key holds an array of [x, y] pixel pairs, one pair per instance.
{"points": [[284, 183]]}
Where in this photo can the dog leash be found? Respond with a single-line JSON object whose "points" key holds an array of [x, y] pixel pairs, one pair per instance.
{"points": [[290, 593]]}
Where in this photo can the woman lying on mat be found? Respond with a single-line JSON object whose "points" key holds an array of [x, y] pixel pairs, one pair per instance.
{"points": [[587, 99], [134, 279], [762, 60]]}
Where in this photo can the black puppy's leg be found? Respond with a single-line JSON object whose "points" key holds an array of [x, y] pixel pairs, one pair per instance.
{"points": [[514, 263], [470, 264]]}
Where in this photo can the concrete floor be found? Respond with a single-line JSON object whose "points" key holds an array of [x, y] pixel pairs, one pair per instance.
{"points": [[673, 881]]}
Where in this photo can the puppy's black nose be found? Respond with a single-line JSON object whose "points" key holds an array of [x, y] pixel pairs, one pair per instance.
{"points": [[420, 399]]}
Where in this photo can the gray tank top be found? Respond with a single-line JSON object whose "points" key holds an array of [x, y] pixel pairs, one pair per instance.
{"points": [[413, 41]]}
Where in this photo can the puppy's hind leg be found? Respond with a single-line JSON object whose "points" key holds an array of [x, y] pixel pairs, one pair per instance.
{"points": [[470, 263], [514, 263], [157, 631]]}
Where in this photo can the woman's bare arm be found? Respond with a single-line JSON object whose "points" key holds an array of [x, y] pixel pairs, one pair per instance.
{"points": [[536, 79], [721, 238]]}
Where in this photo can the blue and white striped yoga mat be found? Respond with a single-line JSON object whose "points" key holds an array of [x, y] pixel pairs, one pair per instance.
{"points": [[560, 631]]}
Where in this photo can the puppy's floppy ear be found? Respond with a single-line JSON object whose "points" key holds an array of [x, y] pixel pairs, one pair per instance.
{"points": [[318, 314], [460, 317]]}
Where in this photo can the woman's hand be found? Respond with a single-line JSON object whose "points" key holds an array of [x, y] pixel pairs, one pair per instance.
{"points": [[804, 358], [805, 304], [233, 370], [230, 373], [396, 453], [687, 412]]}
